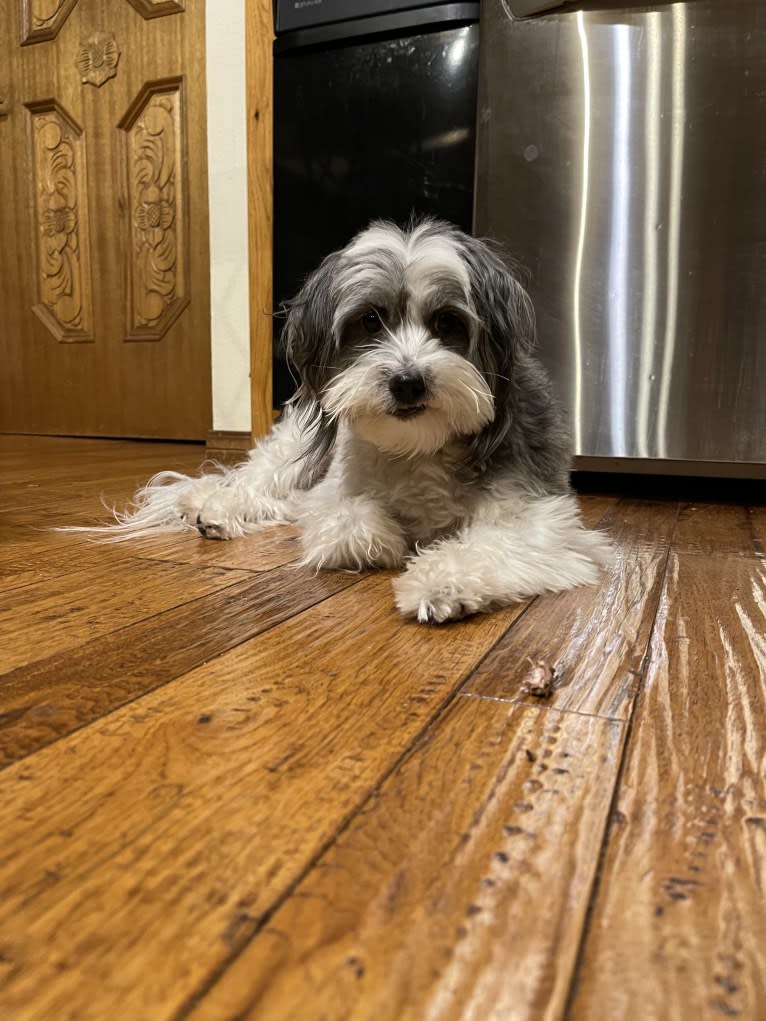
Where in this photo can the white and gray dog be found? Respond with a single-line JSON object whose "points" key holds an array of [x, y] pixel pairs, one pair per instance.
{"points": [[423, 435]]}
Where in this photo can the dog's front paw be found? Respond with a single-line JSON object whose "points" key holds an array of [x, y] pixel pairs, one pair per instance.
{"points": [[349, 534], [232, 512], [325, 547], [431, 609], [433, 596], [219, 519]]}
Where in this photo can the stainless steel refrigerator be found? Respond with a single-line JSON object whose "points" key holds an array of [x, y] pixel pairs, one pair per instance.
{"points": [[621, 158]]}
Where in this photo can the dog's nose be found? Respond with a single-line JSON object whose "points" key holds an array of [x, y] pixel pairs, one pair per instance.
{"points": [[408, 387]]}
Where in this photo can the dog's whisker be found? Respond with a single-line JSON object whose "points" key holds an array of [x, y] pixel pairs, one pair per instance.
{"points": [[387, 329]]}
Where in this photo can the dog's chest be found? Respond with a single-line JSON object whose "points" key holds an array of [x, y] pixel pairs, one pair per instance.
{"points": [[424, 494]]}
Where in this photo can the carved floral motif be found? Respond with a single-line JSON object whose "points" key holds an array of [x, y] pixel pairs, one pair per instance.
{"points": [[64, 283], [156, 186], [154, 215], [97, 58]]}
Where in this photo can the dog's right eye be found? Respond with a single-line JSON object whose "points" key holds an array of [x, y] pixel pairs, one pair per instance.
{"points": [[371, 322], [446, 322]]}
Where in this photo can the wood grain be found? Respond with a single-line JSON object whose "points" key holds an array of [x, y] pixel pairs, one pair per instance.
{"points": [[757, 521], [93, 224], [139, 853], [55, 696], [269, 547], [595, 638], [260, 188], [228, 447], [458, 892], [67, 610], [710, 529], [39, 555], [33, 556], [595, 508], [62, 462], [679, 926], [235, 789]]}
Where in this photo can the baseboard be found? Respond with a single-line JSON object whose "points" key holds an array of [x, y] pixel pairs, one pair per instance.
{"points": [[227, 447]]}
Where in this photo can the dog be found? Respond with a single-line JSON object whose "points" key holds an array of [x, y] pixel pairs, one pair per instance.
{"points": [[423, 436]]}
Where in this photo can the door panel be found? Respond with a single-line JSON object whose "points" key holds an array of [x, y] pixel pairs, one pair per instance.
{"points": [[105, 281]]}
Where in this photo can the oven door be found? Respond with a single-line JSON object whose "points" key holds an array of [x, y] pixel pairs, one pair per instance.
{"points": [[373, 119]]}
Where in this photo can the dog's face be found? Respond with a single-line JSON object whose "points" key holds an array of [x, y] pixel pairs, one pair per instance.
{"points": [[409, 337]]}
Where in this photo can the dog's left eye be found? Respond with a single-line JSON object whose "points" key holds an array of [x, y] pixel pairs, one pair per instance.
{"points": [[371, 322], [446, 322]]}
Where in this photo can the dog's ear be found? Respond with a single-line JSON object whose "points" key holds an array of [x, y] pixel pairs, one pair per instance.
{"points": [[526, 424], [506, 322], [307, 338], [503, 305], [309, 345]]}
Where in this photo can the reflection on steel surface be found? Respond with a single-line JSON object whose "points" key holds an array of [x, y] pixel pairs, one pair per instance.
{"points": [[622, 159]]}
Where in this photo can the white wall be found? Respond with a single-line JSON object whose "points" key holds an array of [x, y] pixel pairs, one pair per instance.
{"points": [[227, 176]]}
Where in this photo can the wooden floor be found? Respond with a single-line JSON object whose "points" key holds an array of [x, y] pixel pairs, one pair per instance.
{"points": [[233, 789]]}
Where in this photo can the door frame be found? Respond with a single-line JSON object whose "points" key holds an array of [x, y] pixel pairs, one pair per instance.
{"points": [[239, 114], [259, 39]]}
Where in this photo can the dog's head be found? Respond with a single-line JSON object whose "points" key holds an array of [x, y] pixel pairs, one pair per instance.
{"points": [[411, 337]]}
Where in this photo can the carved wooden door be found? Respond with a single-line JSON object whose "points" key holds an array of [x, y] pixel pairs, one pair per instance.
{"points": [[104, 261]]}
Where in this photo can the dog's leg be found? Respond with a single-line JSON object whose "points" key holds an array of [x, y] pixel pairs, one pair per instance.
{"points": [[348, 532], [539, 546], [224, 503], [262, 489]]}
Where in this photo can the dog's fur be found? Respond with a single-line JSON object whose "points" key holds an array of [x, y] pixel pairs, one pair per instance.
{"points": [[423, 435]]}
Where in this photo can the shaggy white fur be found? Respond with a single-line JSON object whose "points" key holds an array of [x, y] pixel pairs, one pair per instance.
{"points": [[424, 436]]}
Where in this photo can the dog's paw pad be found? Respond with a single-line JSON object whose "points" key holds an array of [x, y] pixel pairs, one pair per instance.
{"points": [[430, 604], [212, 529], [439, 611]]}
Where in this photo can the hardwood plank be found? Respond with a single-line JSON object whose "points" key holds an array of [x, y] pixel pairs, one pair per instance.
{"points": [[32, 552], [26, 536], [710, 528], [459, 892], [48, 699], [47, 556], [82, 496], [62, 612], [139, 853], [757, 516], [20, 447], [92, 498], [597, 637], [595, 508], [93, 464], [679, 927], [271, 546], [23, 443], [19, 571]]}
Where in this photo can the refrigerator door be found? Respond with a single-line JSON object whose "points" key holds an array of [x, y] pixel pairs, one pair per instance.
{"points": [[622, 160], [523, 8]]}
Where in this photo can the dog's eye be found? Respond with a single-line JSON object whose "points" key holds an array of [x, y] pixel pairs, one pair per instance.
{"points": [[446, 322], [371, 322]]}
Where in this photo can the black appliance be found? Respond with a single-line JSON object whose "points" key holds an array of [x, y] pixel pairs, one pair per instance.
{"points": [[374, 117]]}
